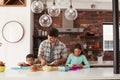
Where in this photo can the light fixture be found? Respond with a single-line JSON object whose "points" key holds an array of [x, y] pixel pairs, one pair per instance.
{"points": [[93, 6], [54, 10], [37, 6], [71, 13], [45, 20]]}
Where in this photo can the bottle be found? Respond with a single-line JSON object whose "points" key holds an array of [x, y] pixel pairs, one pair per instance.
{"points": [[85, 46], [45, 33], [39, 32]]}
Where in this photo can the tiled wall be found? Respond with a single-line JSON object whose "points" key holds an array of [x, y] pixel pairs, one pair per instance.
{"points": [[89, 20]]}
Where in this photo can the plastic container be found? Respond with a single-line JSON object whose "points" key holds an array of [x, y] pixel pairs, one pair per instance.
{"points": [[2, 68], [100, 59], [74, 68], [63, 68]]}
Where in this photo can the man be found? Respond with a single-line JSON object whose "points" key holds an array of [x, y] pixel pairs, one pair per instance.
{"points": [[52, 51]]}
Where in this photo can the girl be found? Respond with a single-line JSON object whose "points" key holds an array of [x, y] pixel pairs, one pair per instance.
{"points": [[77, 59]]}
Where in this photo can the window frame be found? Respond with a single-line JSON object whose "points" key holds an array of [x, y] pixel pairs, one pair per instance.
{"points": [[108, 46]]}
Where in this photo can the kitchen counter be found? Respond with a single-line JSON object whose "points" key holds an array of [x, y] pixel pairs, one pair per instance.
{"points": [[83, 74], [101, 64]]}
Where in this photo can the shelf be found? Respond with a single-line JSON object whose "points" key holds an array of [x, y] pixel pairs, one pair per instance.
{"points": [[35, 48], [41, 37], [101, 64], [93, 49], [91, 42], [73, 33], [92, 37]]}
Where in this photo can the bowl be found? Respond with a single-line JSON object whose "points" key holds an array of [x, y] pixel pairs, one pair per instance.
{"points": [[47, 68], [2, 68], [90, 34]]}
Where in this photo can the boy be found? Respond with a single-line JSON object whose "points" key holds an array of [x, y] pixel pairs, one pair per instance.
{"points": [[29, 59]]}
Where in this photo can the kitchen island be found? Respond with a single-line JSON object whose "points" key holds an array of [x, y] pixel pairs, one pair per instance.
{"points": [[82, 74]]}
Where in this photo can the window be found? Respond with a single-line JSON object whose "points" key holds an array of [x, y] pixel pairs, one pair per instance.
{"points": [[108, 45], [108, 37]]}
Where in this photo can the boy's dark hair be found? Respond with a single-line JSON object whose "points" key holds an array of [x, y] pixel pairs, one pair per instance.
{"points": [[53, 32], [30, 56], [79, 46]]}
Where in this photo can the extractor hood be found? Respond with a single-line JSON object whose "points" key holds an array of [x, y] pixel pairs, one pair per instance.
{"points": [[67, 25]]}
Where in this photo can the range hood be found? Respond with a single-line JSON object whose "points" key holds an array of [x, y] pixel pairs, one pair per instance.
{"points": [[67, 25]]}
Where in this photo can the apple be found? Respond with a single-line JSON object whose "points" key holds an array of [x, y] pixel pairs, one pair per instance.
{"points": [[95, 46], [2, 63], [33, 68]]}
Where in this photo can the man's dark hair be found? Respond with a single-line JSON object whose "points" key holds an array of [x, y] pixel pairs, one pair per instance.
{"points": [[53, 32], [30, 56]]}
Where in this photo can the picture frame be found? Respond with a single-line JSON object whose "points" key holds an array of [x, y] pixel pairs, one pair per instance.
{"points": [[12, 2], [12, 31]]}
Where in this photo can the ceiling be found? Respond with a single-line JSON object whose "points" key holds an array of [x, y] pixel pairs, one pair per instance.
{"points": [[87, 1], [93, 0], [84, 4]]}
